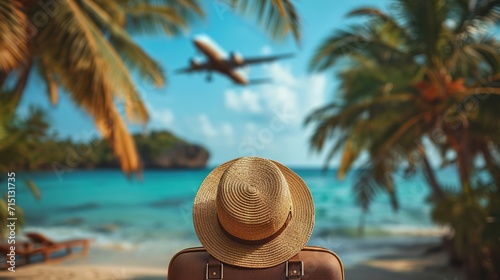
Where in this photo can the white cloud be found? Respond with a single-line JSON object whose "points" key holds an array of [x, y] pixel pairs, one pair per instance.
{"points": [[227, 130], [266, 50], [161, 117], [276, 129], [316, 91], [243, 101], [281, 74], [251, 128], [206, 126], [298, 95]]}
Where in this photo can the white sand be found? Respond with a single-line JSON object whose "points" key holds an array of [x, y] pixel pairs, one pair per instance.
{"points": [[81, 272], [409, 263]]}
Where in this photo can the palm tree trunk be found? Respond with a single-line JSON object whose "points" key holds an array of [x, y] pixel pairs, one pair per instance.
{"points": [[491, 166], [463, 158], [437, 191], [22, 81], [463, 170], [3, 76]]}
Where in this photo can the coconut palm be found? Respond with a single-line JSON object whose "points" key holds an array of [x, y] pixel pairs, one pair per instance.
{"points": [[425, 75], [85, 48], [411, 78]]}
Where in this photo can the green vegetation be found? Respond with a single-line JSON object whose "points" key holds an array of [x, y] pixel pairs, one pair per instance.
{"points": [[97, 153], [86, 49], [427, 74], [17, 139], [51, 153]]}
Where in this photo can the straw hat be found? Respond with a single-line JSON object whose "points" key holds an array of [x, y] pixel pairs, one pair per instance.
{"points": [[253, 212]]}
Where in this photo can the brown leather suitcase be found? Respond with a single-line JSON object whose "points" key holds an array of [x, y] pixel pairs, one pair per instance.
{"points": [[312, 263]]}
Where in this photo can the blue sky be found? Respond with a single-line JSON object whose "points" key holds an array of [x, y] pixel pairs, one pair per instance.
{"points": [[231, 121]]}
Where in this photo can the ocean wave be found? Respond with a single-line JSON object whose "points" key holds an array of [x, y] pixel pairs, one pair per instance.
{"points": [[382, 231], [168, 202], [80, 207], [405, 230]]}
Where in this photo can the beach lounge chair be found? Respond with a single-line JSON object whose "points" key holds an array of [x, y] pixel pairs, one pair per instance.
{"points": [[23, 252], [45, 242], [30, 252]]}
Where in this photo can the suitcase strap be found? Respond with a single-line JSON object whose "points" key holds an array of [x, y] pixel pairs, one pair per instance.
{"points": [[214, 270], [294, 269]]}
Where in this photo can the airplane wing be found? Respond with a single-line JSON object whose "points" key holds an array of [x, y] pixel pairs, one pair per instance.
{"points": [[252, 82], [260, 81], [191, 69], [256, 60], [185, 70]]}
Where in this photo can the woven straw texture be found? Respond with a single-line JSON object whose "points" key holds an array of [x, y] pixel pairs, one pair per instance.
{"points": [[252, 198]]}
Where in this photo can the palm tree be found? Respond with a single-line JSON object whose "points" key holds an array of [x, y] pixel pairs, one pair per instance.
{"points": [[85, 48], [425, 75], [410, 78]]}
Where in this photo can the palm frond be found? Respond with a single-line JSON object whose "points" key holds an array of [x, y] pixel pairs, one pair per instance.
{"points": [[365, 189], [424, 21], [52, 87], [115, 131], [403, 128], [475, 18], [33, 189], [488, 49], [93, 73], [129, 50], [278, 17], [370, 181], [14, 36], [379, 18], [156, 16], [350, 154], [153, 18], [330, 117], [361, 43], [338, 45]]}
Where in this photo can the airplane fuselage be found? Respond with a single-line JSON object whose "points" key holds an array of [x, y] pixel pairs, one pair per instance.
{"points": [[216, 59]]}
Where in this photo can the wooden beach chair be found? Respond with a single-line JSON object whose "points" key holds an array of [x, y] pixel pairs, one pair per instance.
{"points": [[45, 242], [30, 252], [23, 252]]}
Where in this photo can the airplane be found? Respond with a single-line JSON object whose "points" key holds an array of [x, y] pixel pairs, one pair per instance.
{"points": [[219, 61]]}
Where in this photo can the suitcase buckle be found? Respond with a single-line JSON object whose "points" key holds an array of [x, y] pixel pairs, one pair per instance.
{"points": [[294, 269], [214, 272]]}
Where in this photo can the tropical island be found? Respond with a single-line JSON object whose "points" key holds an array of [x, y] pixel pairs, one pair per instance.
{"points": [[156, 149]]}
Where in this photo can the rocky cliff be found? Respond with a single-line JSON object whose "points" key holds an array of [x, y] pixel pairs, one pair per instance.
{"points": [[180, 155], [162, 149]]}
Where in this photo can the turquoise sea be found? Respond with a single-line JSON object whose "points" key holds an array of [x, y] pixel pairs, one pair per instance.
{"points": [[154, 214]]}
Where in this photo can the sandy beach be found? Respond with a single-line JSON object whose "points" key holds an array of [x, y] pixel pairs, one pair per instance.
{"points": [[407, 263]]}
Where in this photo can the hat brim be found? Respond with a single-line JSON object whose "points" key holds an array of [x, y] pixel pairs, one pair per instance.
{"points": [[280, 249]]}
